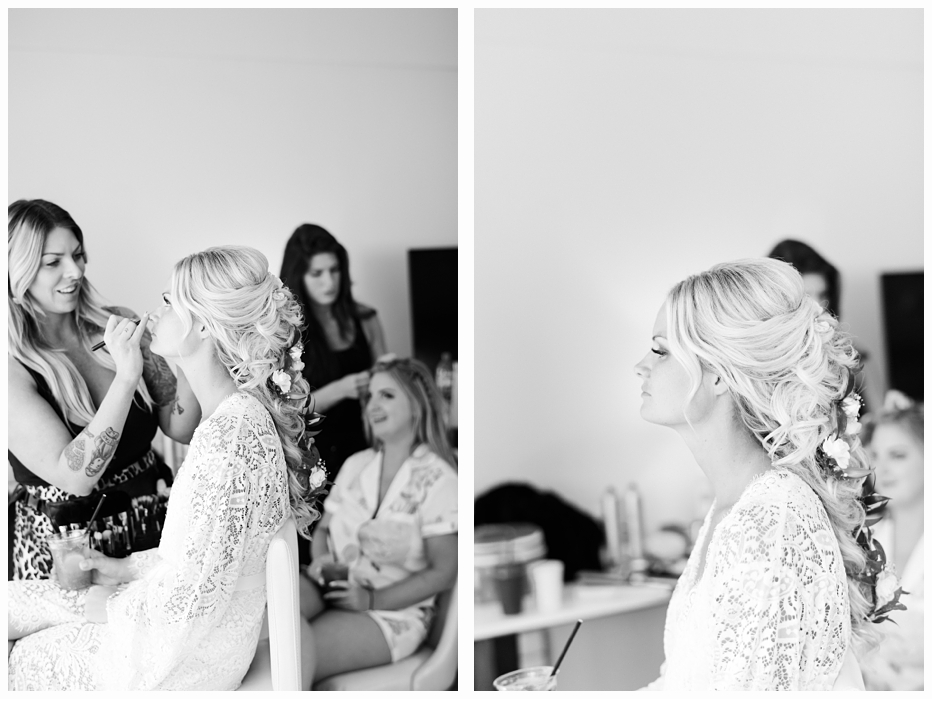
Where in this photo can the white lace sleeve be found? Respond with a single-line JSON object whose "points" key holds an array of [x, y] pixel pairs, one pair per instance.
{"points": [[156, 620], [756, 602], [779, 598]]}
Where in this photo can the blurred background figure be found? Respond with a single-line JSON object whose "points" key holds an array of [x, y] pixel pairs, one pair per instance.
{"points": [[894, 440], [819, 276], [342, 339], [823, 284], [390, 527]]}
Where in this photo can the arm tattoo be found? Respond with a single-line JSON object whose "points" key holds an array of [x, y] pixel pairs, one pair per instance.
{"points": [[176, 406], [74, 452], [159, 378], [103, 451]]}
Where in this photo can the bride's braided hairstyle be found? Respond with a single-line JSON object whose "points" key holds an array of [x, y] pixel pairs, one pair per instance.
{"points": [[788, 367], [253, 321]]}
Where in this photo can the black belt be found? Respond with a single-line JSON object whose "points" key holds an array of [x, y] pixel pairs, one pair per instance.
{"points": [[138, 486]]}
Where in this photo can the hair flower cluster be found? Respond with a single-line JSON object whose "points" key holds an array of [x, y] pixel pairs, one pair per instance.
{"points": [[318, 477], [282, 380], [823, 326], [278, 296], [295, 353], [887, 585], [838, 450], [850, 407]]}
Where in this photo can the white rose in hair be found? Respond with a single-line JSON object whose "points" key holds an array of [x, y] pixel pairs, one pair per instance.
{"points": [[317, 478], [282, 380], [887, 584], [839, 450], [851, 405]]}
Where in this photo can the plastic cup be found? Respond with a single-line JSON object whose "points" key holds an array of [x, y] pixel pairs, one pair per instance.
{"points": [[548, 585], [333, 571], [68, 550], [509, 584], [536, 678]]}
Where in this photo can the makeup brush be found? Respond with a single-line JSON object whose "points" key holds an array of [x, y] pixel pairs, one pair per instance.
{"points": [[100, 345]]}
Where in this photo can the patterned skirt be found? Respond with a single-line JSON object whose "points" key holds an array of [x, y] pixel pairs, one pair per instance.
{"points": [[29, 554]]}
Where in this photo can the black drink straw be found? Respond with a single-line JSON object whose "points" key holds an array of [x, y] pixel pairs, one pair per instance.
{"points": [[556, 667]]}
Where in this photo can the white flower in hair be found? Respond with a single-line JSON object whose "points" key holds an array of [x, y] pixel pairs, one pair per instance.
{"points": [[838, 450], [295, 352], [281, 379], [887, 585], [823, 326], [851, 405], [317, 478]]}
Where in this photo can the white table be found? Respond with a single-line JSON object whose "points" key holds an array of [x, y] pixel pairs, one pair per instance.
{"points": [[579, 602], [620, 645]]}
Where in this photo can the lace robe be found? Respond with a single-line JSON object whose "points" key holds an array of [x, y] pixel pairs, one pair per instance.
{"points": [[192, 618], [770, 611]]}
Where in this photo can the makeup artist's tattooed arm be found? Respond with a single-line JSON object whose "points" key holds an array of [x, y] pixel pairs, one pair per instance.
{"points": [[102, 448], [74, 453], [105, 447], [160, 380]]}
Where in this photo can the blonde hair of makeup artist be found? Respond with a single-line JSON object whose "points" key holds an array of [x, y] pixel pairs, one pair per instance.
{"points": [[30, 221], [751, 323], [253, 321]]}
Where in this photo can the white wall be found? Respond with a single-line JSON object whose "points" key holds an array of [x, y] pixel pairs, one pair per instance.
{"points": [[620, 151], [164, 132]]}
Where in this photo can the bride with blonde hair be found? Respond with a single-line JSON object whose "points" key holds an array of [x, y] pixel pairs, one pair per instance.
{"points": [[187, 615], [780, 589]]}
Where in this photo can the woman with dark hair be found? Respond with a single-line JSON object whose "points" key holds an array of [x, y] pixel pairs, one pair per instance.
{"points": [[390, 521], [820, 277], [342, 338], [84, 417]]}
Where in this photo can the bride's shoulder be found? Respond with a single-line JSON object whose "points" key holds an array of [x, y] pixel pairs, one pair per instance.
{"points": [[775, 497]]}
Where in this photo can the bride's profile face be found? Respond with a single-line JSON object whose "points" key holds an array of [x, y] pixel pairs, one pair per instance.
{"points": [[167, 331], [665, 383]]}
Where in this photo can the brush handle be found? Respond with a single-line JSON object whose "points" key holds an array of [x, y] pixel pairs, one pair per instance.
{"points": [[101, 345]]}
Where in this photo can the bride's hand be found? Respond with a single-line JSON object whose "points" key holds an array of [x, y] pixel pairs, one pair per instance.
{"points": [[107, 571], [95, 603]]}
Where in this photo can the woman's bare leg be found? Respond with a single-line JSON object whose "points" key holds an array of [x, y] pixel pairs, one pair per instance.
{"points": [[309, 598], [308, 656], [346, 641]]}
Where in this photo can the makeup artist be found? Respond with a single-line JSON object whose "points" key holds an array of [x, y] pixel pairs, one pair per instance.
{"points": [[81, 420]]}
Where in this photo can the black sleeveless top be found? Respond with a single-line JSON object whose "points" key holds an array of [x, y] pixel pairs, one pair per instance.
{"points": [[138, 430], [342, 432]]}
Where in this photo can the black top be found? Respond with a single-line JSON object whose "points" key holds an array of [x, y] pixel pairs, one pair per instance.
{"points": [[138, 431], [342, 432]]}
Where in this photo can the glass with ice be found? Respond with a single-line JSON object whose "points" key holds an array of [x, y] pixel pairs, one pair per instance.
{"points": [[536, 678], [68, 550]]}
